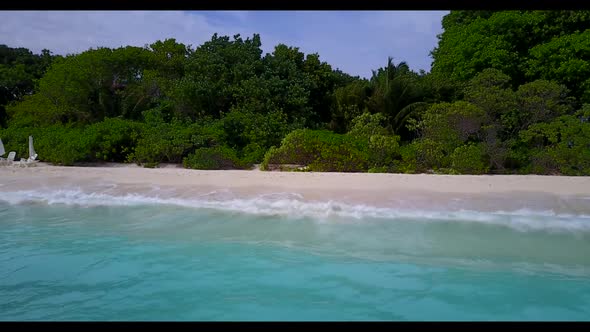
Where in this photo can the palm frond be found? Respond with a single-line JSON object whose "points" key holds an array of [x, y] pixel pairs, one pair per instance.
{"points": [[403, 115]]}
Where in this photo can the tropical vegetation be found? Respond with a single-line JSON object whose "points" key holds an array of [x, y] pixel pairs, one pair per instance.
{"points": [[508, 93]]}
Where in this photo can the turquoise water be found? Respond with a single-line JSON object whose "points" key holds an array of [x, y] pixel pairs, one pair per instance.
{"points": [[165, 262]]}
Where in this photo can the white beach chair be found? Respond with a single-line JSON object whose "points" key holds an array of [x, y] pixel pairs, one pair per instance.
{"points": [[27, 162], [10, 159], [32, 160]]}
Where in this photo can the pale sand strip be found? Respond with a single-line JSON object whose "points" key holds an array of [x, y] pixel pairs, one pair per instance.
{"points": [[420, 191], [296, 182]]}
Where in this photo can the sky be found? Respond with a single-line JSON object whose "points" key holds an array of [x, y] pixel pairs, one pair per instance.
{"points": [[355, 42]]}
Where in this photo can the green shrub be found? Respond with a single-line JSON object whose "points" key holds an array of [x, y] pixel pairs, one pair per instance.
{"points": [[56, 144], [561, 146], [518, 156], [62, 145], [542, 163], [571, 161], [383, 150], [447, 171], [252, 154], [560, 160], [469, 159], [452, 124], [270, 154], [113, 139], [381, 169], [219, 157], [340, 159], [170, 142], [17, 139], [251, 133], [35, 111], [321, 150], [367, 125], [421, 155]]}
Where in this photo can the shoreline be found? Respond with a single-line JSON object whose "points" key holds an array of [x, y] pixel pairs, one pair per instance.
{"points": [[402, 191], [254, 179]]}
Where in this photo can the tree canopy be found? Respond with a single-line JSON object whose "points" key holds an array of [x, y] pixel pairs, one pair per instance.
{"points": [[509, 92]]}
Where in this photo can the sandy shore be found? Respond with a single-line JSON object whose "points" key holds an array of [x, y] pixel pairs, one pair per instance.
{"points": [[492, 191], [299, 182]]}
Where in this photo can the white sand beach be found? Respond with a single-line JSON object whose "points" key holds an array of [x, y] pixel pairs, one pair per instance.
{"points": [[299, 181], [415, 191]]}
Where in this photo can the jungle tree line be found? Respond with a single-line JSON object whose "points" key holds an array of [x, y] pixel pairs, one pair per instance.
{"points": [[508, 93]]}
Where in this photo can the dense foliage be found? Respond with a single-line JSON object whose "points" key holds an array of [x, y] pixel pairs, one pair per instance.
{"points": [[320, 150], [19, 71], [509, 92]]}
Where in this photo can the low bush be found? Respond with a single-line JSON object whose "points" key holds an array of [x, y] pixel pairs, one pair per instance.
{"points": [[383, 150], [17, 139], [170, 142], [469, 159], [253, 153], [321, 151], [381, 169], [420, 156], [63, 145], [561, 146], [219, 157], [113, 139]]}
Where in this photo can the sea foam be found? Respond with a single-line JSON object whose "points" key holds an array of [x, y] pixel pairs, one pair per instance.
{"points": [[293, 205]]}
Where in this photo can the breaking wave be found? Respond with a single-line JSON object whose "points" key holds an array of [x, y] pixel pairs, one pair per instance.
{"points": [[294, 206]]}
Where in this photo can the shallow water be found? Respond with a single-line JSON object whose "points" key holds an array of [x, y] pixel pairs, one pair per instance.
{"points": [[72, 256]]}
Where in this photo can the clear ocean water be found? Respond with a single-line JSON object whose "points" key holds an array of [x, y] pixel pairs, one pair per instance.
{"points": [[132, 259]]}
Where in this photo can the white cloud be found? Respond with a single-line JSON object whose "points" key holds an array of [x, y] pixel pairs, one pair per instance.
{"points": [[72, 32], [355, 42]]}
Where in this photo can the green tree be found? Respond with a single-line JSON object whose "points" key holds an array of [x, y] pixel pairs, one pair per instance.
{"points": [[93, 85], [422, 155], [19, 71], [348, 102], [366, 125], [469, 159], [382, 148], [505, 40], [491, 91], [213, 72], [541, 101], [396, 94], [320, 150], [565, 59], [562, 145], [453, 124]]}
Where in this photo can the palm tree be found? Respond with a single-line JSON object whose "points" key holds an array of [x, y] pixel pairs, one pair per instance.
{"points": [[396, 94]]}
